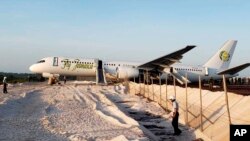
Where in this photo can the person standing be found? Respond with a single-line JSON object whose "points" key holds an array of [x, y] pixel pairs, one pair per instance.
{"points": [[29, 78], [175, 115], [5, 85], [64, 79]]}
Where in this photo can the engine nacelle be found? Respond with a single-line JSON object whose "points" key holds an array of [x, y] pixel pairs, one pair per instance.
{"points": [[124, 73], [49, 75]]}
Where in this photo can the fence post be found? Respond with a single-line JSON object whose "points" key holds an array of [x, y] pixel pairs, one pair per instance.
{"points": [[152, 83], [166, 92], [226, 98], [139, 84], [201, 114], [134, 86], [186, 118], [147, 84], [160, 86], [144, 81], [174, 87]]}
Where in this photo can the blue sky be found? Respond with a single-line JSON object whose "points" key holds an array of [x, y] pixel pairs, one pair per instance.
{"points": [[130, 30]]}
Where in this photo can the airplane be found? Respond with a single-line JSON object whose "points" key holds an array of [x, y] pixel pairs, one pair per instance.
{"points": [[53, 67]]}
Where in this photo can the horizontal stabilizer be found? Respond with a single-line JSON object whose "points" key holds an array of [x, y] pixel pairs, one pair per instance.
{"points": [[234, 70]]}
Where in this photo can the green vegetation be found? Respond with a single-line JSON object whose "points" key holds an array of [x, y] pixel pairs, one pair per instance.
{"points": [[20, 77]]}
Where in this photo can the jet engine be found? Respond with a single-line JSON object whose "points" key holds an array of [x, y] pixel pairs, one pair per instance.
{"points": [[53, 78], [49, 75], [124, 73]]}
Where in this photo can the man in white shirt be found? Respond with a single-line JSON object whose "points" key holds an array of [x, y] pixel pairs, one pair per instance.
{"points": [[175, 115]]}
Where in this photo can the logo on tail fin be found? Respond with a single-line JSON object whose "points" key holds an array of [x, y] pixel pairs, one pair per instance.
{"points": [[224, 56]]}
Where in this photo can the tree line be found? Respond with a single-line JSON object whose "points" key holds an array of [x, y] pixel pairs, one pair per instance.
{"points": [[20, 77]]}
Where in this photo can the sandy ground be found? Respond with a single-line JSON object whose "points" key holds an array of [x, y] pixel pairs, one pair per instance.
{"points": [[35, 111]]}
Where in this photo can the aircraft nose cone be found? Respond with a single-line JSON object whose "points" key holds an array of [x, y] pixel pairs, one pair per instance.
{"points": [[32, 68]]}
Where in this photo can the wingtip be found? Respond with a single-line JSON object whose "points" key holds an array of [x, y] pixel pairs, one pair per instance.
{"points": [[191, 46]]}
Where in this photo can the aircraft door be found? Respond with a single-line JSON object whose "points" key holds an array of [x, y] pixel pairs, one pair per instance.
{"points": [[99, 64], [206, 71], [55, 61], [171, 70]]}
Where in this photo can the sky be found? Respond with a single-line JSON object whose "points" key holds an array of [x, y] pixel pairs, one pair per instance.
{"points": [[116, 30]]}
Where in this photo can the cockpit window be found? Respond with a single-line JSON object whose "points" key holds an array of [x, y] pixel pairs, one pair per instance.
{"points": [[41, 61]]}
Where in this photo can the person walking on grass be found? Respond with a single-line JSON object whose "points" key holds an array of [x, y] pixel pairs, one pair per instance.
{"points": [[175, 115], [5, 85]]}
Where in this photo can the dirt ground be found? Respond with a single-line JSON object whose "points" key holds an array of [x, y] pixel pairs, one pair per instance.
{"points": [[36, 111]]}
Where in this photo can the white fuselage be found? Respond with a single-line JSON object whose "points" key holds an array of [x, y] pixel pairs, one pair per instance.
{"points": [[217, 64], [193, 72], [63, 66], [77, 67], [55, 66]]}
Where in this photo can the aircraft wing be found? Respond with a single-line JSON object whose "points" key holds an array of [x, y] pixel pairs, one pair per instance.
{"points": [[167, 60], [234, 70]]}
